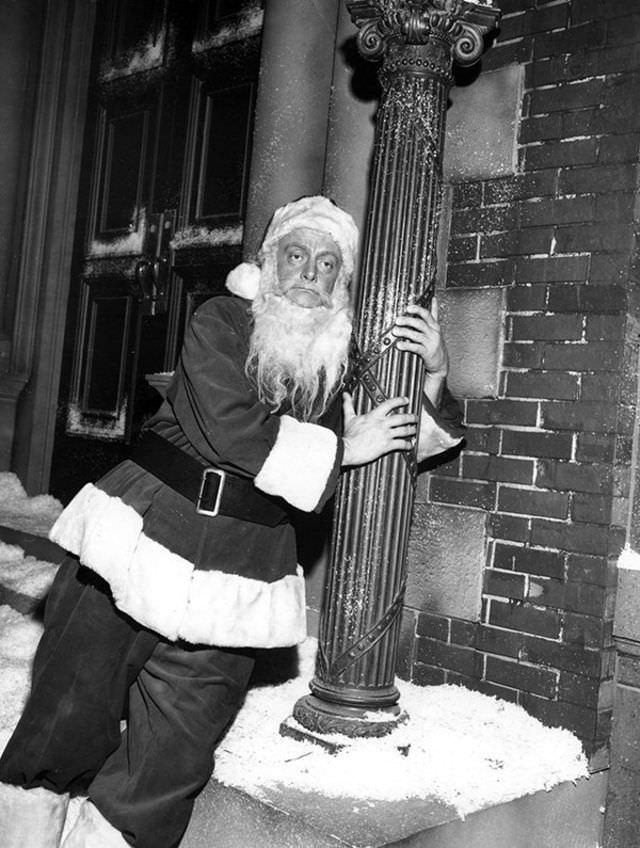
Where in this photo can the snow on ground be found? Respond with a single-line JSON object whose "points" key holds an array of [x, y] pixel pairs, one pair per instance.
{"points": [[20, 512], [466, 749]]}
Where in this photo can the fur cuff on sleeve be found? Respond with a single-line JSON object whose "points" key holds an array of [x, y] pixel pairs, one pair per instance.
{"points": [[300, 463], [434, 436]]}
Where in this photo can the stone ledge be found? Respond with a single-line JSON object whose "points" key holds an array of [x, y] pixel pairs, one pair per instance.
{"points": [[568, 816]]}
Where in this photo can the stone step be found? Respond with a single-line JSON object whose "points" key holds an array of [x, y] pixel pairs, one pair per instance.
{"points": [[568, 816]]}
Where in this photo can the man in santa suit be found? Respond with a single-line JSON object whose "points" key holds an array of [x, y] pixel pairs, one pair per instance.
{"points": [[182, 559]]}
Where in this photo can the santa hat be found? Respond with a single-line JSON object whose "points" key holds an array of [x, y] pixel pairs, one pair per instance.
{"points": [[314, 213]]}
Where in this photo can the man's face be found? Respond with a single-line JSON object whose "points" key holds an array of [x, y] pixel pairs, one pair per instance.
{"points": [[308, 263]]}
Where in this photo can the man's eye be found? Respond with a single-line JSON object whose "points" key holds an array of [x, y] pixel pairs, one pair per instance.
{"points": [[327, 265], [295, 256]]}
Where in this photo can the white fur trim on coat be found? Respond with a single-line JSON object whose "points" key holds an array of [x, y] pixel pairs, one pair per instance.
{"points": [[299, 464], [433, 439], [163, 591]]}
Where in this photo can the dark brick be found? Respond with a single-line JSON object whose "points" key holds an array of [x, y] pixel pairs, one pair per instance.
{"points": [[463, 660], [463, 492], [588, 569], [501, 55], [585, 630], [541, 127], [552, 654], [583, 11], [578, 720], [569, 41], [522, 355], [624, 30], [552, 269], [497, 468], [532, 502], [591, 508], [463, 633], [504, 584], [489, 219], [525, 618], [462, 248], [427, 675], [510, 527], [547, 18], [535, 213], [512, 26], [578, 238], [578, 538], [606, 268], [628, 671], [514, 674], [618, 148], [605, 327], [505, 643], [527, 298], [484, 439], [518, 412], [466, 194], [521, 187], [582, 356], [585, 598], [495, 691], [602, 299], [563, 298], [577, 689], [565, 96], [573, 476], [546, 327], [489, 273], [528, 560], [619, 59], [599, 387], [526, 443], [595, 447], [546, 592], [582, 415], [617, 206], [434, 626], [595, 179], [560, 154], [542, 385]]}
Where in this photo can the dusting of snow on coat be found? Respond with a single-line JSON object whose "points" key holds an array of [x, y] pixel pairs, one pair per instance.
{"points": [[205, 237], [248, 23], [107, 429], [20, 512], [19, 636], [147, 56], [466, 749]]}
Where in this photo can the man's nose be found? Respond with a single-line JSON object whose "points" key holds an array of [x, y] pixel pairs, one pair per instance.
{"points": [[309, 271]]}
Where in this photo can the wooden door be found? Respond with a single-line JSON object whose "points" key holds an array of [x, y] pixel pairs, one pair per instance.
{"points": [[161, 211]]}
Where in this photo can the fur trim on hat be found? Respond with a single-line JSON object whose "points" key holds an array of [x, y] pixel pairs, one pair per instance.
{"points": [[244, 280], [316, 213]]}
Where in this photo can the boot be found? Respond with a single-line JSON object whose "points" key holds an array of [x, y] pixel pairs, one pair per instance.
{"points": [[92, 830], [31, 817]]}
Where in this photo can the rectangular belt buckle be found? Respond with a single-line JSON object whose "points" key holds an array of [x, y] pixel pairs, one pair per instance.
{"points": [[221, 475]]}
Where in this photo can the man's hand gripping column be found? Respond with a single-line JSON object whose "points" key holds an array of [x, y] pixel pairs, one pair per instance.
{"points": [[386, 428]]}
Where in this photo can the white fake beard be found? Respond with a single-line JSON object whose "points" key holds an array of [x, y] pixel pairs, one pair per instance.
{"points": [[298, 356]]}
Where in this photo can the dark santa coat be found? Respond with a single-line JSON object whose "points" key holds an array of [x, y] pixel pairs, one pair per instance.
{"points": [[217, 580]]}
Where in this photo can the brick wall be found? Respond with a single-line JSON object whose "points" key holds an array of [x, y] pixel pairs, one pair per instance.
{"points": [[549, 458]]}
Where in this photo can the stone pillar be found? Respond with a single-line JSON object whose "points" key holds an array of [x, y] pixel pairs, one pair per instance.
{"points": [[418, 42], [289, 139]]}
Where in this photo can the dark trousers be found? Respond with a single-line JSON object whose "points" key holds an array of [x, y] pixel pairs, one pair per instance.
{"points": [[95, 666]]}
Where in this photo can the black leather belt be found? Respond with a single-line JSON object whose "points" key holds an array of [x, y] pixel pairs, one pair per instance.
{"points": [[212, 490]]}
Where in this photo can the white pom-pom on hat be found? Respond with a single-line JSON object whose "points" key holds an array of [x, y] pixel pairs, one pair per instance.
{"points": [[244, 280]]}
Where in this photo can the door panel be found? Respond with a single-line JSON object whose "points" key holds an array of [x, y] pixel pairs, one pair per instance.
{"points": [[165, 169]]}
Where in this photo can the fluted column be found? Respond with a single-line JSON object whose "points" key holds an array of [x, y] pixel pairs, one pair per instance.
{"points": [[418, 41]]}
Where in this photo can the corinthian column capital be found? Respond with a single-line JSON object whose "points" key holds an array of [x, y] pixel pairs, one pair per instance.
{"points": [[387, 24]]}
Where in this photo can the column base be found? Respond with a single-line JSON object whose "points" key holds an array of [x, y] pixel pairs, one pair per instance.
{"points": [[318, 721]]}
